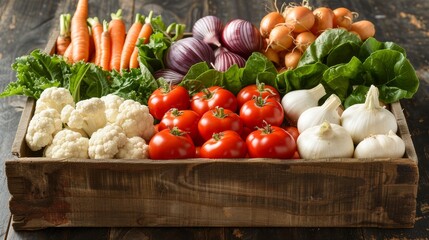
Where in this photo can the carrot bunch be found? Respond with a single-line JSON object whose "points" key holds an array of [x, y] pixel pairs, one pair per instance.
{"points": [[289, 32], [106, 44]]}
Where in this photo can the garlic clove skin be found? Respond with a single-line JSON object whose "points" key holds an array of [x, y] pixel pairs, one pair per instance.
{"points": [[317, 115], [326, 140], [369, 118], [381, 146], [296, 102]]}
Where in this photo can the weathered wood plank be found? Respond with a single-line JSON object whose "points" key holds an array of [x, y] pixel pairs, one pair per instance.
{"points": [[212, 193]]}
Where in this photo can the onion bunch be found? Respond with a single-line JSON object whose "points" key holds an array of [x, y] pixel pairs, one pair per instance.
{"points": [[233, 43]]}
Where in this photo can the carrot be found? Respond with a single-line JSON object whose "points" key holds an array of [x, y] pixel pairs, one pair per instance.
{"points": [[97, 30], [63, 40], [144, 34], [130, 41], [91, 57], [105, 47], [79, 32], [117, 34], [68, 54]]}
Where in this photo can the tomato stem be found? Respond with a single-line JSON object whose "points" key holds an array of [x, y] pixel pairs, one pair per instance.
{"points": [[207, 93], [177, 132], [176, 112], [219, 112]]}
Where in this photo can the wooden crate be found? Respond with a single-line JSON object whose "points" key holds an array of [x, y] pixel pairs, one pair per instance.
{"points": [[343, 192]]}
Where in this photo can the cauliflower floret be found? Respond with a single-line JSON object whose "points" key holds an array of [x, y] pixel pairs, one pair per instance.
{"points": [[106, 142], [55, 98], [88, 115], [112, 103], [134, 148], [135, 120], [68, 144], [42, 128]]}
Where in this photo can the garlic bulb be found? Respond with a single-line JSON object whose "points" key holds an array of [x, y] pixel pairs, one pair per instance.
{"points": [[296, 102], [326, 140], [317, 115], [381, 146], [369, 118]]}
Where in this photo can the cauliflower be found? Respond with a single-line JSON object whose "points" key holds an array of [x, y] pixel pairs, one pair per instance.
{"points": [[42, 128], [112, 103], [68, 144], [88, 115], [134, 148], [135, 120], [106, 142], [54, 98]]}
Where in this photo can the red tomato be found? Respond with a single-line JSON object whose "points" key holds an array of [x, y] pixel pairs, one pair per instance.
{"points": [[185, 120], [219, 120], [171, 144], [213, 97], [258, 111], [293, 131], [227, 144], [270, 142], [165, 98], [249, 92]]}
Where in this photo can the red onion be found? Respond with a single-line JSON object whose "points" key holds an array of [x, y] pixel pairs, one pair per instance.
{"points": [[208, 29], [169, 75], [241, 37], [225, 59], [186, 52]]}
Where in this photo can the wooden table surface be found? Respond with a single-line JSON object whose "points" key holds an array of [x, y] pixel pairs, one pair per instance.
{"points": [[26, 25]]}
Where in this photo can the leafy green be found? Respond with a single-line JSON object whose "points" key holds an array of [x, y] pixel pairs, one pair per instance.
{"points": [[36, 72], [325, 44], [259, 68], [392, 73]]}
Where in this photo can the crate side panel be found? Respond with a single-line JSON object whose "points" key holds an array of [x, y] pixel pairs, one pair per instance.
{"points": [[346, 193]]}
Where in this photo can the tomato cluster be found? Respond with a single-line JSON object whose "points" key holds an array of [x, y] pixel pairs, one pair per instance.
{"points": [[215, 123]]}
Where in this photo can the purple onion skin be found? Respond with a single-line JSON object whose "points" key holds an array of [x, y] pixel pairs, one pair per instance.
{"points": [[208, 29], [186, 52], [169, 76], [241, 37], [225, 59]]}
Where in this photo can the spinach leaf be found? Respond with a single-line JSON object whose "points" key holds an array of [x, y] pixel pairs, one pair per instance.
{"points": [[339, 79], [371, 45], [393, 74], [259, 68], [320, 49], [303, 77]]}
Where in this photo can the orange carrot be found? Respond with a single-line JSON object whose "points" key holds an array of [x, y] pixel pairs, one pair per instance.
{"points": [[68, 54], [130, 41], [79, 32], [144, 34], [63, 40], [91, 57], [117, 31], [97, 30], [105, 47]]}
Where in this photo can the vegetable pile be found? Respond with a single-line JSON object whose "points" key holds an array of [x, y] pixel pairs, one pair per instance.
{"points": [[305, 83]]}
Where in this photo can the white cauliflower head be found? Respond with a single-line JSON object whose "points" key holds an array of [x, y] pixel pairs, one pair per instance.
{"points": [[106, 142], [68, 144], [135, 120], [112, 103], [42, 128], [88, 115], [134, 148], [54, 97]]}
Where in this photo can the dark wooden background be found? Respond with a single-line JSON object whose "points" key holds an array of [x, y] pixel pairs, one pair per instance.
{"points": [[26, 25]]}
